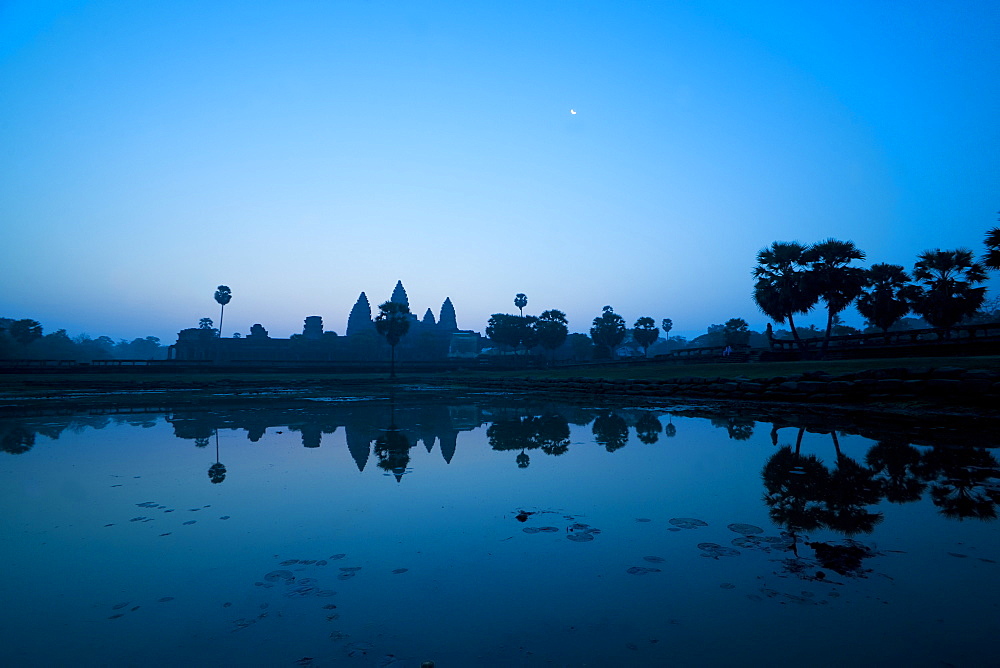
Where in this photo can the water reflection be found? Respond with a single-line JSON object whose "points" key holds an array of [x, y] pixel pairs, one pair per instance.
{"points": [[338, 517], [803, 491]]}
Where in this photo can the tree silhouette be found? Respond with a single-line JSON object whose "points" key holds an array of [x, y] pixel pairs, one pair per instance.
{"points": [[648, 428], [960, 481], [222, 295], [884, 297], [512, 330], [552, 329], [217, 471], [837, 283], [608, 330], [794, 487], [851, 488], [611, 431], [393, 450], [784, 287], [666, 325], [520, 301], [16, 439], [738, 428], [552, 433], [991, 260], [645, 333], [945, 292], [736, 332], [896, 465], [392, 322], [25, 331]]}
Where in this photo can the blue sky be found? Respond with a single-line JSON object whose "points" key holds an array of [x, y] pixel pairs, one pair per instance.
{"points": [[301, 152]]}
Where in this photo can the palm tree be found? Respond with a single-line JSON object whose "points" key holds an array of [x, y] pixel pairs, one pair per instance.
{"points": [[883, 300], [392, 322], [946, 293], [838, 283], [520, 301], [645, 333], [783, 286], [222, 295], [992, 257]]}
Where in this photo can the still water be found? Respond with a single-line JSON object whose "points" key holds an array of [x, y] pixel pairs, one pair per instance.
{"points": [[490, 531]]}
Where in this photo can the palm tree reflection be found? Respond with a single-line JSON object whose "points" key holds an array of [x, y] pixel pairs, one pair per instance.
{"points": [[217, 471], [896, 465], [963, 482]]}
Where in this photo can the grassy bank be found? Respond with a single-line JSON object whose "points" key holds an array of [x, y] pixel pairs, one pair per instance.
{"points": [[132, 387], [668, 371]]}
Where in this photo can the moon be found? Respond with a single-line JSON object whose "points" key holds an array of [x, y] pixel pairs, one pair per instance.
{"points": [[573, 111]]}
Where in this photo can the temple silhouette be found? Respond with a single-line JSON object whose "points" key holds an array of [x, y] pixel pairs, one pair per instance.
{"points": [[427, 340]]}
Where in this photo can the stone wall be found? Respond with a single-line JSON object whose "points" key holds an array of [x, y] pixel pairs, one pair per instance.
{"points": [[952, 385]]}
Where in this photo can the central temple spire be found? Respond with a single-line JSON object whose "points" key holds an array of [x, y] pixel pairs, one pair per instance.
{"points": [[399, 295]]}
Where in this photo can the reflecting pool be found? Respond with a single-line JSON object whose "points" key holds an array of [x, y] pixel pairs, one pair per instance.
{"points": [[491, 531]]}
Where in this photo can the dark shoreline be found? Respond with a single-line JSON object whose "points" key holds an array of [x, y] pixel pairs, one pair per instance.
{"points": [[942, 405]]}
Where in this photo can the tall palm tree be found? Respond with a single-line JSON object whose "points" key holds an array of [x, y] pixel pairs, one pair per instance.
{"points": [[392, 322], [946, 290], [784, 287], [520, 301], [645, 333], [222, 295], [837, 282], [992, 257], [883, 300]]}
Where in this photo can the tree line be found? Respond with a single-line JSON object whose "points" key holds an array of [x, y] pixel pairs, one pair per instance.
{"points": [[25, 339], [943, 287]]}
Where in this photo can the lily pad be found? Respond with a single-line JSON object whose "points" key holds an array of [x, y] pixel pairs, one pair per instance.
{"points": [[714, 550], [747, 542], [642, 570], [688, 522], [655, 559], [279, 575], [745, 529]]}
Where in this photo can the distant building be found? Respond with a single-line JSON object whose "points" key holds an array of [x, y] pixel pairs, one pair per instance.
{"points": [[427, 340]]}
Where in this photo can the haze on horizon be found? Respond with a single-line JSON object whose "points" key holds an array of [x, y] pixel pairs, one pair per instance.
{"points": [[302, 153]]}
